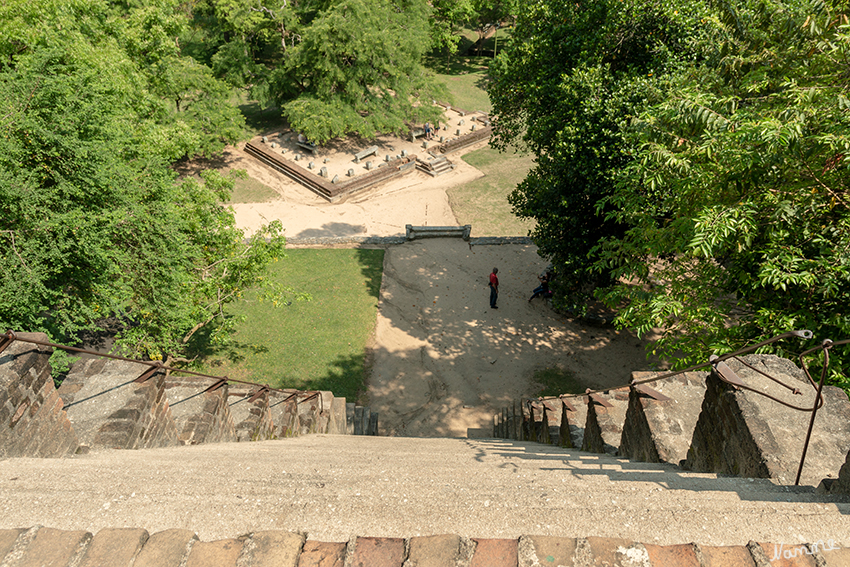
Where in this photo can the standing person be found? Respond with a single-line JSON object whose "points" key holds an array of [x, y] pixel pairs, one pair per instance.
{"points": [[494, 288]]}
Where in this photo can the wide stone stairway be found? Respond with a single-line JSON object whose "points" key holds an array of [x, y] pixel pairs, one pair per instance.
{"points": [[523, 502], [163, 470]]}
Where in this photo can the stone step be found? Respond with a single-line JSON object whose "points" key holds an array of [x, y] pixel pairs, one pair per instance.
{"points": [[335, 486], [119, 547]]}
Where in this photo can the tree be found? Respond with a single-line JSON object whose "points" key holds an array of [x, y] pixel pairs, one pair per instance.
{"points": [[743, 169], [695, 156], [93, 222], [564, 89], [334, 67], [448, 18]]}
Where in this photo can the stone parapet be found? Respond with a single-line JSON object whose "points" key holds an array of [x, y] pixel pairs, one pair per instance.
{"points": [[573, 420], [32, 421], [743, 433], [604, 426], [252, 415], [133, 546], [660, 431], [201, 414]]}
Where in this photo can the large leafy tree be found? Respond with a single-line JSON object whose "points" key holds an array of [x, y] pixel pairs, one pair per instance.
{"points": [[565, 88], [93, 223], [334, 67], [738, 192], [716, 141]]}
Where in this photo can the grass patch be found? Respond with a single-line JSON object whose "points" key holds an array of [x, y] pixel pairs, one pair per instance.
{"points": [[557, 381], [251, 191], [466, 79], [483, 203], [309, 345]]}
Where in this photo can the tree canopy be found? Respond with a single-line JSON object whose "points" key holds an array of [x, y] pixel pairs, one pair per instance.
{"points": [[93, 222], [334, 67], [696, 160]]}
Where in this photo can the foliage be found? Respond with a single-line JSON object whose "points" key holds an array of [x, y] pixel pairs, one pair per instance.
{"points": [[695, 157], [738, 190], [92, 221], [335, 67]]}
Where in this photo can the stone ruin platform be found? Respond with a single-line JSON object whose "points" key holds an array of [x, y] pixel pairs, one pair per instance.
{"points": [[344, 167]]}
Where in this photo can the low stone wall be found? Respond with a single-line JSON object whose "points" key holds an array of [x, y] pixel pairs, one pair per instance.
{"points": [[746, 434], [333, 191], [144, 422], [32, 421], [465, 140], [252, 417], [604, 426], [660, 431]]}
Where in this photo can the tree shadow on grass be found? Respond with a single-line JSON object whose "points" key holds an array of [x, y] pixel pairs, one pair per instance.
{"points": [[344, 378], [372, 268], [203, 348]]}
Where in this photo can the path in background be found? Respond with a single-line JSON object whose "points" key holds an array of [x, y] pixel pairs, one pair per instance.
{"points": [[444, 362]]}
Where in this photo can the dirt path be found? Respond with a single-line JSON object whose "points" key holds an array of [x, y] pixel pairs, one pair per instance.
{"points": [[445, 362]]}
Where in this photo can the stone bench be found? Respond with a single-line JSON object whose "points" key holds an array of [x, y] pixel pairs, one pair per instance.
{"points": [[414, 232], [415, 133], [307, 146], [370, 151]]}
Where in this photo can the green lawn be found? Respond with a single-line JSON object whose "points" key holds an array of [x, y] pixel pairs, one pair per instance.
{"points": [[310, 345], [483, 203], [251, 191], [466, 79]]}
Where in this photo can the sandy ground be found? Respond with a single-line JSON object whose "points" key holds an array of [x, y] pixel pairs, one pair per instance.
{"points": [[443, 362]]}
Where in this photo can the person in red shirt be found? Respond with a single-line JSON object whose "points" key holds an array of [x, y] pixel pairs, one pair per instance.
{"points": [[494, 288]]}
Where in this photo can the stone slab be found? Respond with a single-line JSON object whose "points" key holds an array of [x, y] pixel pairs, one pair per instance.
{"points": [[727, 556], [54, 548], [276, 549], [672, 555], [837, 557], [165, 549], [322, 554], [616, 552], [660, 431], [378, 552], [7, 541], [114, 547], [495, 553], [435, 551], [221, 553], [782, 555], [546, 550]]}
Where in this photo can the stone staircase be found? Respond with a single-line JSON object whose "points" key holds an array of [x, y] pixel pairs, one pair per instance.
{"points": [[435, 165], [300, 497], [507, 498], [701, 423]]}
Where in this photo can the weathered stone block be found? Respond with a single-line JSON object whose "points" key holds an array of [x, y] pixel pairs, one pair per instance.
{"points": [[744, 433], [321, 554], [222, 553], [115, 547], [435, 551], [165, 549], [573, 420], [604, 426], [660, 431], [276, 549], [378, 552], [546, 550]]}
